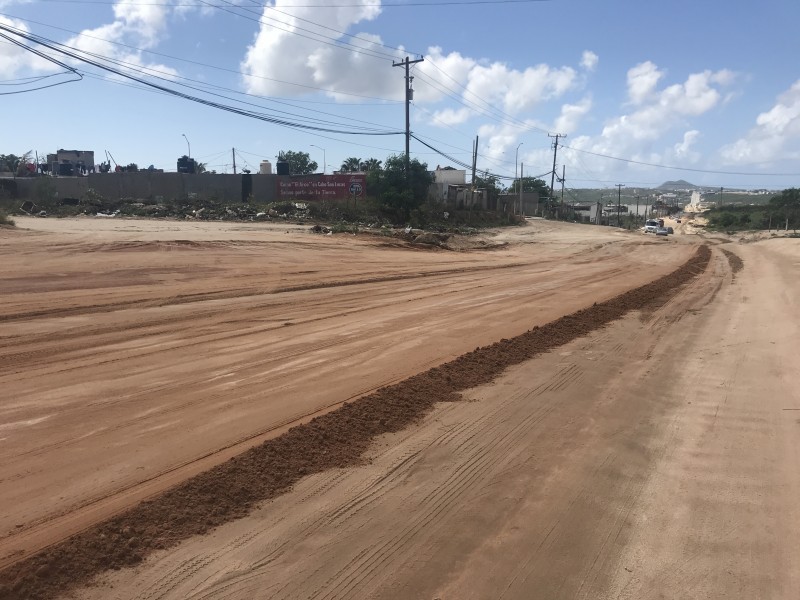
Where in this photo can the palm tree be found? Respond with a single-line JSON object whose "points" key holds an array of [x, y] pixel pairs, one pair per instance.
{"points": [[351, 165], [371, 164]]}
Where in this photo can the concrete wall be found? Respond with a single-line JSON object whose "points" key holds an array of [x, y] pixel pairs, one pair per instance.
{"points": [[51, 188], [509, 203], [167, 186], [450, 176], [147, 185]]}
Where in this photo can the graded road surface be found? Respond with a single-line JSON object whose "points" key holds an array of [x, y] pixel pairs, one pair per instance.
{"points": [[654, 458]]}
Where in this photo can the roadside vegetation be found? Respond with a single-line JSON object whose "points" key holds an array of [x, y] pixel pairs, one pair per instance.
{"points": [[782, 212], [6, 220]]}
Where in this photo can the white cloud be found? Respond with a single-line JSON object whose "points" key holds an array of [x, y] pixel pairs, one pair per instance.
{"points": [[638, 134], [282, 51], [139, 25], [135, 24], [18, 62], [689, 138], [144, 22], [499, 143], [449, 116], [589, 60], [642, 81], [776, 134], [517, 91], [571, 115]]}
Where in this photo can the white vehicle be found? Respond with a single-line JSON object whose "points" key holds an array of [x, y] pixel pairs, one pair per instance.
{"points": [[651, 226]]}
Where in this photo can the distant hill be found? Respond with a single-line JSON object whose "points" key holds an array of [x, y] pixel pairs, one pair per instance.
{"points": [[677, 185]]}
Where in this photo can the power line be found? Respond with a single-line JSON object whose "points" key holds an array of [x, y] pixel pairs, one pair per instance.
{"points": [[200, 64], [71, 53], [344, 33], [67, 68], [488, 104], [466, 165], [638, 162], [459, 3], [335, 43]]}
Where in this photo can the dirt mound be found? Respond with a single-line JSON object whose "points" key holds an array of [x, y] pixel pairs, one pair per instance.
{"points": [[431, 239], [734, 261], [336, 439]]}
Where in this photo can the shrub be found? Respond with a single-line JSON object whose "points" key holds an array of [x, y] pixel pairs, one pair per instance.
{"points": [[6, 220]]}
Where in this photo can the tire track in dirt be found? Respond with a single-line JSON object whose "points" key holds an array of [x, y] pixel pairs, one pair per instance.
{"points": [[464, 442], [335, 440], [229, 294]]}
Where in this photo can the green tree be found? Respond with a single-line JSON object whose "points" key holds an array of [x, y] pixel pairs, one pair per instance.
{"points": [[492, 186], [351, 165], [9, 162], [300, 163], [787, 207], [726, 219], [530, 184], [398, 190], [201, 168], [371, 164]]}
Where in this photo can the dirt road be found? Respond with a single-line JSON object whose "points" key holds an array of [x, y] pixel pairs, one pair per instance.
{"points": [[655, 458], [137, 353]]}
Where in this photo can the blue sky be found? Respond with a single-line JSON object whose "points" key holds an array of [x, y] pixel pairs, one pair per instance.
{"points": [[712, 87]]}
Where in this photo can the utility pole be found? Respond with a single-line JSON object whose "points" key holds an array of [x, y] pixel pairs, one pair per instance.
{"points": [[619, 201], [563, 178], [521, 209], [474, 161], [409, 97], [555, 152], [233, 153], [637, 208]]}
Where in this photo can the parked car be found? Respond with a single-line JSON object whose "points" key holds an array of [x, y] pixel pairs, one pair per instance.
{"points": [[670, 230], [677, 220], [662, 231]]}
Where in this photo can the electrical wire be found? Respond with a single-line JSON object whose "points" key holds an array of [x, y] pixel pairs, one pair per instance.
{"points": [[468, 166], [638, 162], [343, 33], [459, 3], [40, 54], [71, 53], [335, 42], [170, 76], [200, 64], [489, 105]]}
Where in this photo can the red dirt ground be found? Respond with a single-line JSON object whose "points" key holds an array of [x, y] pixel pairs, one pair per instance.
{"points": [[336, 439]]}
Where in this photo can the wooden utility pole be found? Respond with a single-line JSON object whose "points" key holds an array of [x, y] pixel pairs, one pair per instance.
{"points": [[555, 152], [474, 161], [233, 153], [619, 202], [409, 97]]}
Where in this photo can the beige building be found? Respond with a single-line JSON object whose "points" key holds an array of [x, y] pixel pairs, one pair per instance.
{"points": [[71, 162]]}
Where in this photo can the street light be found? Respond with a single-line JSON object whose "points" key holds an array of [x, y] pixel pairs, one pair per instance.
{"points": [[323, 157], [187, 145], [516, 162]]}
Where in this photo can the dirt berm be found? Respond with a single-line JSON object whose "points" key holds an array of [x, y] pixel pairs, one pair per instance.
{"points": [[336, 439]]}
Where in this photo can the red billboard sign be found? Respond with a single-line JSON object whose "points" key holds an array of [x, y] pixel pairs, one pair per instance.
{"points": [[322, 187]]}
